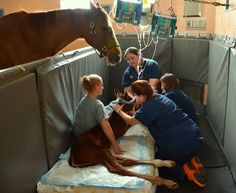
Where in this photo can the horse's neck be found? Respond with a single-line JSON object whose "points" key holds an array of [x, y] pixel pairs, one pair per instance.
{"points": [[61, 27], [118, 125]]}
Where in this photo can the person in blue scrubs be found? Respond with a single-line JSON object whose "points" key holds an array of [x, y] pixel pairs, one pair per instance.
{"points": [[177, 136], [170, 88], [140, 69]]}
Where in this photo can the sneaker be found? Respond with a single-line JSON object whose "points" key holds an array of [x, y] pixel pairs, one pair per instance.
{"points": [[198, 165], [193, 175]]}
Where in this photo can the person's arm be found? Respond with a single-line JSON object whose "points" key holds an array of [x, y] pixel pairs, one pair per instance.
{"points": [[130, 120], [110, 135]]}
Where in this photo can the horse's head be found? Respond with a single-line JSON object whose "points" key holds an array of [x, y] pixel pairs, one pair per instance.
{"points": [[126, 99], [101, 34]]}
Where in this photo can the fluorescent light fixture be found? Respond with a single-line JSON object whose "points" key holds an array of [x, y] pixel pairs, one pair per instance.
{"points": [[73, 4]]}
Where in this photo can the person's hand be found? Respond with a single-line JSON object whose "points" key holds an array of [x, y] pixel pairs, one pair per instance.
{"points": [[118, 108], [132, 112], [117, 150]]}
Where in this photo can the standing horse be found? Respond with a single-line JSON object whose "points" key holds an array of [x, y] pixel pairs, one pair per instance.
{"points": [[93, 147], [25, 37]]}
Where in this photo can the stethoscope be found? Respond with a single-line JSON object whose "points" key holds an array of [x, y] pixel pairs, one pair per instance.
{"points": [[140, 72]]}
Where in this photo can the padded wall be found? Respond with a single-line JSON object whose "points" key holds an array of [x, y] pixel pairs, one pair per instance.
{"points": [[230, 121], [22, 148], [217, 87], [162, 56], [190, 59], [60, 92]]}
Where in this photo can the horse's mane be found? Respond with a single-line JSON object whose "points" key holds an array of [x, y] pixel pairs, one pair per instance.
{"points": [[42, 18], [48, 17], [15, 14]]}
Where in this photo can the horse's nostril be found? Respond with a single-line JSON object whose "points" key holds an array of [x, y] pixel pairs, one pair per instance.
{"points": [[114, 59]]}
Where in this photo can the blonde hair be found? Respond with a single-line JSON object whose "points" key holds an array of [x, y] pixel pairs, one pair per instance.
{"points": [[170, 81], [89, 82]]}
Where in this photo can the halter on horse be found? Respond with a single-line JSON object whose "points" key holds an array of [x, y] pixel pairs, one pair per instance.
{"points": [[26, 37], [92, 147]]}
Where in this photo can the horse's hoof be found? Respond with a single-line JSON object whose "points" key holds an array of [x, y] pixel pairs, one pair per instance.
{"points": [[173, 185], [171, 163]]}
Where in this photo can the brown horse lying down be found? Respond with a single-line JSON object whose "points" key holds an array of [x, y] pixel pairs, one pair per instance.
{"points": [[92, 147]]}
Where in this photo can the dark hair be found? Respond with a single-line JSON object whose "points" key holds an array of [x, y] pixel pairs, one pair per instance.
{"points": [[132, 50], [142, 87], [170, 81]]}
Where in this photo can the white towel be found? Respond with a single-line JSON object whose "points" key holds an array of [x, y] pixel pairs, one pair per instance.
{"points": [[137, 144]]}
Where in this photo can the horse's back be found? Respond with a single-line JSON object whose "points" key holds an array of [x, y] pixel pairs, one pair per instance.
{"points": [[87, 150]]}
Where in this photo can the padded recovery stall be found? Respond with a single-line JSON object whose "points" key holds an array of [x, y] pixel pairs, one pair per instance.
{"points": [[60, 92], [217, 84], [190, 59], [22, 149], [230, 121]]}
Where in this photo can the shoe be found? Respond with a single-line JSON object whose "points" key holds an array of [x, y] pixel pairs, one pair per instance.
{"points": [[198, 165], [193, 175]]}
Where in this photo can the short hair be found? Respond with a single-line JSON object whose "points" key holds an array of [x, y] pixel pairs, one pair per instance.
{"points": [[89, 82], [132, 50], [170, 81], [142, 87]]}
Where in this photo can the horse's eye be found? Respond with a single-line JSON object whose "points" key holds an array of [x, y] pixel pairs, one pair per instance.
{"points": [[104, 28]]}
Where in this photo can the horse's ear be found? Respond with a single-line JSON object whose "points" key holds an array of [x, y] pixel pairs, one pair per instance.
{"points": [[98, 5], [92, 4], [127, 95], [117, 93]]}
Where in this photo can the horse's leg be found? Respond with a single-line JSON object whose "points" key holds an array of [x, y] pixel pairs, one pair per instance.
{"points": [[157, 162], [114, 167]]}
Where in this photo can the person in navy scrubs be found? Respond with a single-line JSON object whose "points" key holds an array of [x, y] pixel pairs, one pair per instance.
{"points": [[177, 136], [170, 88], [140, 69]]}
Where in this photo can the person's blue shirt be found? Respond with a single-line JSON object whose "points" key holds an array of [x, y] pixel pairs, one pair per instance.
{"points": [[183, 102], [172, 129], [150, 69]]}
